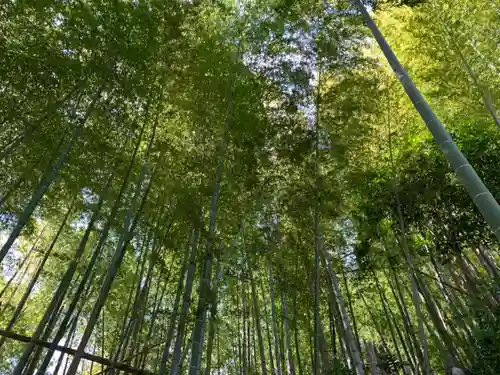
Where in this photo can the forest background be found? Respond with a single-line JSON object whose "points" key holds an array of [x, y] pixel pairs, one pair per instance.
{"points": [[246, 188]]}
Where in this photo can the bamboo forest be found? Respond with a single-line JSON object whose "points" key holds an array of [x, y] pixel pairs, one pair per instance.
{"points": [[249, 187]]}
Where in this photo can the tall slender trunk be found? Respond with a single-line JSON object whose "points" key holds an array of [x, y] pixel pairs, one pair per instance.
{"points": [[132, 306], [465, 319], [372, 359], [238, 333], [175, 306], [349, 335], [277, 354], [345, 351], [257, 320], [479, 193], [141, 314], [185, 350], [375, 323], [474, 285], [125, 238], [296, 335], [137, 312], [409, 329], [34, 279], [281, 338], [186, 301], [147, 320], [83, 286], [288, 336], [121, 332], [69, 340], [158, 300], [254, 341], [393, 326], [47, 180], [458, 320], [426, 365], [351, 310], [201, 316], [439, 324], [459, 282], [65, 282], [130, 223], [333, 336], [311, 339], [204, 288], [218, 354], [268, 333], [408, 256], [344, 348], [237, 355], [244, 357], [390, 318], [437, 342], [251, 340], [322, 345], [317, 233], [488, 264], [213, 329]]}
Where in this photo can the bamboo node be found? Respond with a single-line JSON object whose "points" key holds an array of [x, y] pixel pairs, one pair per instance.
{"points": [[480, 194], [463, 166]]}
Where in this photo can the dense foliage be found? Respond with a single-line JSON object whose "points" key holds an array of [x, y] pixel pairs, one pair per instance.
{"points": [[244, 187]]}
